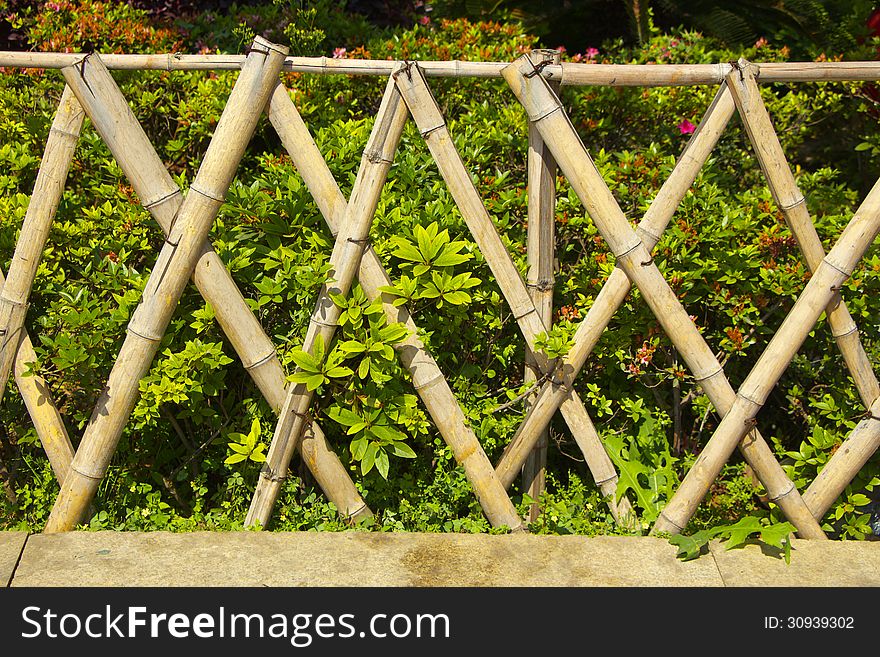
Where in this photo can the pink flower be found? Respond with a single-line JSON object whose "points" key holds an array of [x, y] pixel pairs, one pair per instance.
{"points": [[560, 49], [760, 43], [54, 6], [339, 53], [686, 127], [424, 20], [591, 52]]}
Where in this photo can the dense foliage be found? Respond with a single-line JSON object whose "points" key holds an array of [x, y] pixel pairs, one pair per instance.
{"points": [[190, 455]]}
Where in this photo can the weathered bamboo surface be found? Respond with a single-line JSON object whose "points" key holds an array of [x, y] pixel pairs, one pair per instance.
{"points": [[160, 195], [822, 289], [540, 256], [174, 267], [427, 378], [551, 396], [60, 147], [344, 262], [545, 110], [568, 73], [40, 406], [430, 122], [792, 203]]}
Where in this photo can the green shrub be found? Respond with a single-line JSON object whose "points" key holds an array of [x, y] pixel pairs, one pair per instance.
{"points": [[727, 253]]}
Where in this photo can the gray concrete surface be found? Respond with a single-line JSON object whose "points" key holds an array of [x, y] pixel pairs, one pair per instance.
{"points": [[399, 559], [813, 563], [11, 544], [353, 559]]}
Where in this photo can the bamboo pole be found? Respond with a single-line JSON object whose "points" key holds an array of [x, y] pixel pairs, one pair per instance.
{"points": [[431, 124], [137, 158], [613, 293], [793, 206], [344, 262], [568, 73], [60, 147], [822, 289], [540, 255], [173, 269], [41, 408], [845, 463], [545, 110], [428, 380]]}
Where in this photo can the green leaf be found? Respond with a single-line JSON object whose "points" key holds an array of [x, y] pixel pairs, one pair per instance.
{"points": [[739, 532], [364, 368], [403, 450], [235, 458], [344, 416], [306, 361], [313, 382], [241, 449], [689, 547], [369, 458], [386, 433], [382, 463], [339, 371]]}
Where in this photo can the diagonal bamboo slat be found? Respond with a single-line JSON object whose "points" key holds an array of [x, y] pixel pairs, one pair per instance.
{"points": [[544, 109], [344, 262], [431, 124], [427, 378], [613, 293], [129, 144], [60, 146], [175, 264]]}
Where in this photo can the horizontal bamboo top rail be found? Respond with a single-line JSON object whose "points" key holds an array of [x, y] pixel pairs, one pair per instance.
{"points": [[573, 74]]}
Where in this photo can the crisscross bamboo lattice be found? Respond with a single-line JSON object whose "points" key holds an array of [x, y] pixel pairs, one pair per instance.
{"points": [[534, 79]]}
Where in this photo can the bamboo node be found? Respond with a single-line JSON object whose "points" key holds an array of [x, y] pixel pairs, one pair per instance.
{"points": [[353, 514], [790, 490], [606, 480], [794, 204], [152, 204], [652, 236], [854, 329], [428, 131], [208, 195], [526, 311], [622, 255], [260, 361], [98, 476], [363, 242], [647, 262], [430, 382], [671, 522], [144, 336], [375, 157], [324, 324], [64, 133], [699, 379]]}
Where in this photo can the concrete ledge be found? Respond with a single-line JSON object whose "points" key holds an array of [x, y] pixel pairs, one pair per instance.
{"points": [[161, 559], [353, 559], [813, 563], [11, 545]]}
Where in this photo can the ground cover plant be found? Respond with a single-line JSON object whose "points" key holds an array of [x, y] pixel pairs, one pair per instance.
{"points": [[190, 455]]}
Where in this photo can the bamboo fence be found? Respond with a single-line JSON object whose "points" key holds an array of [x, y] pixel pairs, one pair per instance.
{"points": [[535, 80]]}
